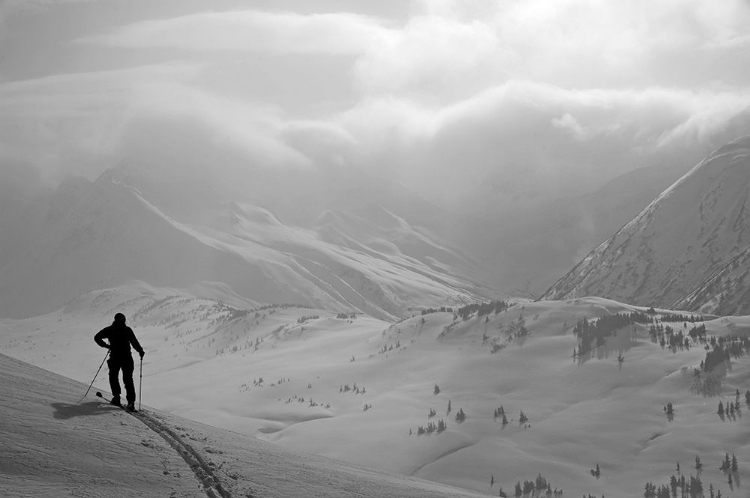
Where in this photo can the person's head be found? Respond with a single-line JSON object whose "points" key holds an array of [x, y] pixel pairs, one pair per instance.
{"points": [[120, 318]]}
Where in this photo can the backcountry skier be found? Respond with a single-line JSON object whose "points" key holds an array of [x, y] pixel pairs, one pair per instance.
{"points": [[120, 338]]}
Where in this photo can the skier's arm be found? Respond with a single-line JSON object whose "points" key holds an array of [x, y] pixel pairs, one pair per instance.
{"points": [[100, 336], [136, 345]]}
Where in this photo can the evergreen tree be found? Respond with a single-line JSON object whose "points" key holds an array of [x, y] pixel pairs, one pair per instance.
{"points": [[726, 464], [436, 390]]}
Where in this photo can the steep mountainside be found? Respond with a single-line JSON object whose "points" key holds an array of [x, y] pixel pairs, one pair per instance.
{"points": [[90, 236], [686, 249]]}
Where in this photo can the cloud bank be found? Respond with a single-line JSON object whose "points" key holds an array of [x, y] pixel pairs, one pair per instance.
{"points": [[477, 105]]}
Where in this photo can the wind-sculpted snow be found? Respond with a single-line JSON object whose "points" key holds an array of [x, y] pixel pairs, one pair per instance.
{"points": [[358, 389], [53, 447], [684, 249]]}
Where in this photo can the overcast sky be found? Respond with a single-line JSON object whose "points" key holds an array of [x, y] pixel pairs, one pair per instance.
{"points": [[453, 98]]}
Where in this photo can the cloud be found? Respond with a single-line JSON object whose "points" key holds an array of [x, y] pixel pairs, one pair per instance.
{"points": [[10, 8], [506, 102], [254, 31], [520, 141], [256, 130], [450, 47], [85, 123], [568, 122], [66, 123], [433, 54]]}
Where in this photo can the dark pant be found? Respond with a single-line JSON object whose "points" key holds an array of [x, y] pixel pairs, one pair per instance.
{"points": [[124, 363]]}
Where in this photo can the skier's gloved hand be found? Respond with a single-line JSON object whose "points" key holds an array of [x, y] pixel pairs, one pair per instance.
{"points": [[142, 353]]}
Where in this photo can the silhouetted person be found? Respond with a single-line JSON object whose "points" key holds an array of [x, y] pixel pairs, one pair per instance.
{"points": [[120, 337]]}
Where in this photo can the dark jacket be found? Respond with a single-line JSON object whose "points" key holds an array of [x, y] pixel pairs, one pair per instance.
{"points": [[120, 337]]}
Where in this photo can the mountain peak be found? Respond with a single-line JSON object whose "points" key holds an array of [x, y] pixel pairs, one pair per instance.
{"points": [[690, 231]]}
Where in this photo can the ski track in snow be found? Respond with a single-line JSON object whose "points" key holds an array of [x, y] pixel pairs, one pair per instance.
{"points": [[197, 464]]}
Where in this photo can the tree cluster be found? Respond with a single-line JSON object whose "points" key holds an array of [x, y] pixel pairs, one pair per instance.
{"points": [[729, 464], [460, 415], [431, 428], [717, 356], [730, 410], [677, 317], [669, 410], [355, 389], [691, 487], [303, 319], [698, 334], [667, 336], [536, 488], [522, 418], [499, 412], [442, 309], [596, 331], [596, 472], [386, 347], [481, 309]]}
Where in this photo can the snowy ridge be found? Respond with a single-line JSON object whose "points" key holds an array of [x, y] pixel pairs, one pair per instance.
{"points": [[691, 231]]}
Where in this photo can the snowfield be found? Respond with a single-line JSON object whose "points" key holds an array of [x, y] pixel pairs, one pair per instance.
{"points": [[357, 389], [54, 447]]}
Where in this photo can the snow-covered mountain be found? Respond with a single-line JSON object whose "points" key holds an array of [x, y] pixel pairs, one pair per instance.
{"points": [[89, 236], [687, 249]]}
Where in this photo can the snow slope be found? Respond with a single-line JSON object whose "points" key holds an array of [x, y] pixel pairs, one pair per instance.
{"points": [[685, 250], [280, 373], [54, 446]]}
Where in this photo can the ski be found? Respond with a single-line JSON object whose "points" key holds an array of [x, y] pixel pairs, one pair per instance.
{"points": [[123, 407]]}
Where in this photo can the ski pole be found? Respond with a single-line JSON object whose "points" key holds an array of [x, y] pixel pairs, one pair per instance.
{"points": [[140, 386], [95, 376]]}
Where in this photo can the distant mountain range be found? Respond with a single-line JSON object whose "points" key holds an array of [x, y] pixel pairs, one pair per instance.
{"points": [[93, 235], [688, 249], [364, 244]]}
